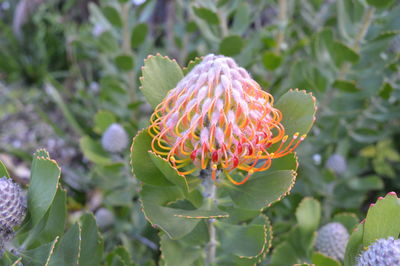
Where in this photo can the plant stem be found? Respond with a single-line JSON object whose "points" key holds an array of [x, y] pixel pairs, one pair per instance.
{"points": [[127, 49], [211, 247], [367, 19], [366, 22], [223, 24], [281, 25]]}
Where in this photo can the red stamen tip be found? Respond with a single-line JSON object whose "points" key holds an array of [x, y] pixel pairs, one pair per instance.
{"points": [[392, 193], [239, 148], [235, 161], [193, 155], [214, 156]]}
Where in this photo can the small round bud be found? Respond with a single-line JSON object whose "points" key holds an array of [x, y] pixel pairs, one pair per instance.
{"points": [[12, 204], [317, 158], [115, 138], [332, 240], [138, 2], [337, 163], [383, 252], [104, 218]]}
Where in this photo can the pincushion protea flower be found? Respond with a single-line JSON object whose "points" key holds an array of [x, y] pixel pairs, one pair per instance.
{"points": [[218, 118]]}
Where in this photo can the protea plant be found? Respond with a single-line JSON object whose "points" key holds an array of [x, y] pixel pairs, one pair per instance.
{"points": [[218, 118], [217, 145]]}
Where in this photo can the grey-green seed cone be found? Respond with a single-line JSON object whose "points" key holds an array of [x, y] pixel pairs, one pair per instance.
{"points": [[115, 139], [383, 252], [12, 205], [332, 240]]}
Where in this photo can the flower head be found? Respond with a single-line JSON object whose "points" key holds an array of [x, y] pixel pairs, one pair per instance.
{"points": [[332, 240], [218, 118], [12, 204], [383, 252], [115, 139]]}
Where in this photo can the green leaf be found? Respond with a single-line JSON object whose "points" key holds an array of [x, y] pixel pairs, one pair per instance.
{"points": [[346, 86], [319, 259], [349, 16], [271, 60], [238, 215], [165, 218], [142, 164], [3, 170], [242, 18], [169, 172], [366, 183], [287, 162], [67, 250], [119, 256], [231, 45], [112, 16], [380, 3], [308, 214], [91, 243], [10, 259], [124, 62], [354, 245], [51, 225], [298, 111], [39, 256], [262, 189], [192, 64], [159, 75], [102, 120], [139, 34], [206, 14], [242, 240], [348, 219], [386, 91], [344, 53], [383, 220], [45, 174], [177, 252], [283, 255], [94, 152]]}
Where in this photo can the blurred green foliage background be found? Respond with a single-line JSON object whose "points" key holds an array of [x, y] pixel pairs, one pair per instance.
{"points": [[70, 68]]}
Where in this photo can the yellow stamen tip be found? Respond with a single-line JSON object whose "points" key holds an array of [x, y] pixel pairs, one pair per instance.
{"points": [[172, 159], [251, 172]]}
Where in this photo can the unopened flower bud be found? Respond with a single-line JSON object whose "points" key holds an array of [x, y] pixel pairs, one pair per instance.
{"points": [[332, 240], [337, 163], [104, 218], [115, 138], [12, 204], [383, 252]]}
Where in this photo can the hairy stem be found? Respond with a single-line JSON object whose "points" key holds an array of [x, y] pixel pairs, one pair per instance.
{"points": [[211, 247], [281, 27]]}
